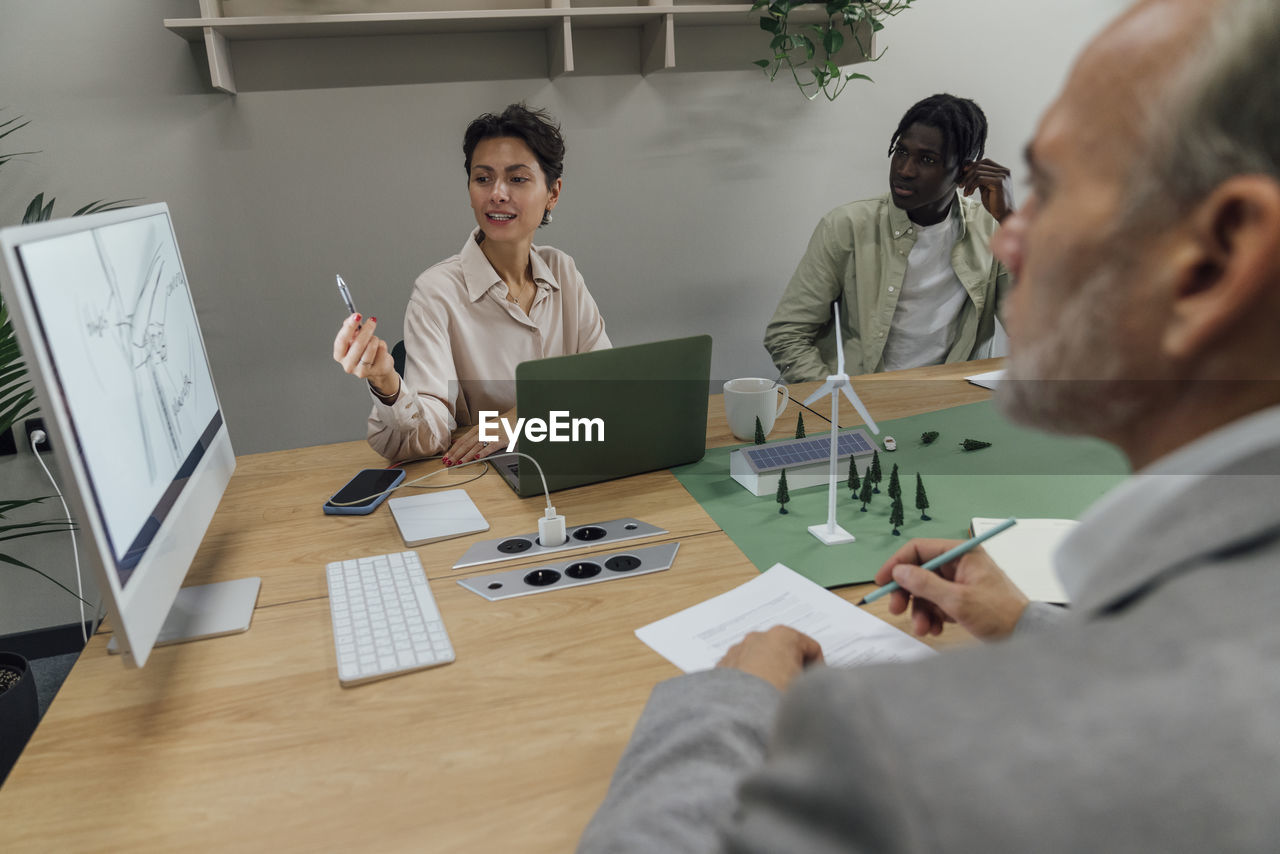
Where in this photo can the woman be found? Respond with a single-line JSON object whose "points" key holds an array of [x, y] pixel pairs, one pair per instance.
{"points": [[473, 317]]}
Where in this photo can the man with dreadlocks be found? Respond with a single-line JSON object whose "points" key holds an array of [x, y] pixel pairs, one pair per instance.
{"points": [[912, 269]]}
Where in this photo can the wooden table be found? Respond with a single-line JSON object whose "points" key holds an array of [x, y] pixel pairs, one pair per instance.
{"points": [[249, 742]]}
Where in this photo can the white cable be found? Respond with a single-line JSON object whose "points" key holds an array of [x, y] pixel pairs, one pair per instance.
{"points": [[417, 480], [551, 528], [366, 499], [38, 436], [546, 492]]}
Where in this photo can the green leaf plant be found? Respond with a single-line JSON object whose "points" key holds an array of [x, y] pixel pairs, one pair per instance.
{"points": [[17, 402], [808, 51], [17, 399]]}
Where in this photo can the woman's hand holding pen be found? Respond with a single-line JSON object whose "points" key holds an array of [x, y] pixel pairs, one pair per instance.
{"points": [[365, 355], [970, 590]]}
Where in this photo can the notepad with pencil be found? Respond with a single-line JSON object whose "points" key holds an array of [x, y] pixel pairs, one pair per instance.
{"points": [[1025, 553]]}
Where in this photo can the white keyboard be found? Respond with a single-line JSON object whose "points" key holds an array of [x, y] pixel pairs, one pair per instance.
{"points": [[385, 620]]}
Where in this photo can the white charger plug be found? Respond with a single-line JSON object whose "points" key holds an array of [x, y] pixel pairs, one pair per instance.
{"points": [[551, 531]]}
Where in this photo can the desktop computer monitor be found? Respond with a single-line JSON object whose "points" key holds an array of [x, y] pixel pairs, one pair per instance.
{"points": [[107, 326]]}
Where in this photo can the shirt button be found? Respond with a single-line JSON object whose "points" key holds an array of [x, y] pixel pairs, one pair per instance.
{"points": [[911, 231], [897, 234], [890, 289]]}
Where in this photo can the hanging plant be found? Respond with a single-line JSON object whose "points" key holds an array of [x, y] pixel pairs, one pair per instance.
{"points": [[808, 51]]}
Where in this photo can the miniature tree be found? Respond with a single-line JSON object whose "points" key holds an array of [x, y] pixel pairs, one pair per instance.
{"points": [[895, 515], [927, 438], [895, 488], [873, 473], [974, 445], [783, 495], [759, 431], [922, 500], [799, 425], [865, 495], [854, 483]]}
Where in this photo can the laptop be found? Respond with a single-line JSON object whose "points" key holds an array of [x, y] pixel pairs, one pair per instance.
{"points": [[613, 413]]}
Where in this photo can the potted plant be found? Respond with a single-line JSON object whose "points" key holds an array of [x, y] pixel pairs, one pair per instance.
{"points": [[19, 705], [19, 709], [808, 51]]}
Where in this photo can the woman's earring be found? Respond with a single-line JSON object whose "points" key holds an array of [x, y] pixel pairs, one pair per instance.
{"points": [[546, 218]]}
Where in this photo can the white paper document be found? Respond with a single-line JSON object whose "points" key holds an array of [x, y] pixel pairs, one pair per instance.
{"points": [[990, 379], [697, 637]]}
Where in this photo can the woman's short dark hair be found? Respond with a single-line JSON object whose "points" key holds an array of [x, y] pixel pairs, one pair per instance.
{"points": [[961, 122], [535, 128]]}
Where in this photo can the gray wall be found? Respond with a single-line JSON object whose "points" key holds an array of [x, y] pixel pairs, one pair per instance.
{"points": [[688, 197]]}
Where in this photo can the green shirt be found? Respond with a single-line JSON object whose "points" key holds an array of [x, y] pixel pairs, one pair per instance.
{"points": [[858, 255]]}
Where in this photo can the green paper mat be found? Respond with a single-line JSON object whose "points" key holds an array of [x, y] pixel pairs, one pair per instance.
{"points": [[1024, 473]]}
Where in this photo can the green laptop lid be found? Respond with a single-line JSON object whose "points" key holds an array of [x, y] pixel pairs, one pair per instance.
{"points": [[613, 413]]}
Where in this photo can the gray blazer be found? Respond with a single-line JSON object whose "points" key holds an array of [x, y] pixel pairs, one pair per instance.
{"points": [[1147, 721]]}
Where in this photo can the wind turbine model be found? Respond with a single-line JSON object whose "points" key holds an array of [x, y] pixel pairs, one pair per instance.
{"points": [[832, 534]]}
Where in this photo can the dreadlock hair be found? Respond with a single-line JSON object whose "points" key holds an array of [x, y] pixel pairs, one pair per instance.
{"points": [[962, 123]]}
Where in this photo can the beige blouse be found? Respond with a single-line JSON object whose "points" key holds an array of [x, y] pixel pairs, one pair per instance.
{"points": [[463, 340]]}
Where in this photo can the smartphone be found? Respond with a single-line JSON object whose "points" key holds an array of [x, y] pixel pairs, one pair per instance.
{"points": [[369, 482], [345, 293]]}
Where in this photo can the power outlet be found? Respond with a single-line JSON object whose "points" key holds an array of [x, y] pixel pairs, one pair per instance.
{"points": [[30, 426]]}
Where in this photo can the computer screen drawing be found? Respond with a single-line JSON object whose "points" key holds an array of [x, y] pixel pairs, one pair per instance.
{"points": [[107, 323]]}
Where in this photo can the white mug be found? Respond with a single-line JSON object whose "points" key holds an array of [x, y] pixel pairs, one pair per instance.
{"points": [[749, 398]]}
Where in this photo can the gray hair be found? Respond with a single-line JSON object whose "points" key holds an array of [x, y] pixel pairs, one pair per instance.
{"points": [[1220, 117]]}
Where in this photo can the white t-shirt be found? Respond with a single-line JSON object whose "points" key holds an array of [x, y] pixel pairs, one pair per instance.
{"points": [[923, 328]]}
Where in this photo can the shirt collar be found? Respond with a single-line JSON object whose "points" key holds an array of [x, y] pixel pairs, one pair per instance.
{"points": [[960, 212], [1163, 516], [480, 277]]}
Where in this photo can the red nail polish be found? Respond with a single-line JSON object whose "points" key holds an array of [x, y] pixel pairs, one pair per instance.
{"points": [[358, 318], [373, 320], [448, 461]]}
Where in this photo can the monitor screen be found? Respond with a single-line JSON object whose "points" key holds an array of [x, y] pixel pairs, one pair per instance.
{"points": [[103, 311]]}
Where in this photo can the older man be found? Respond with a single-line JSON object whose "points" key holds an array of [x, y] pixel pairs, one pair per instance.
{"points": [[1146, 312]]}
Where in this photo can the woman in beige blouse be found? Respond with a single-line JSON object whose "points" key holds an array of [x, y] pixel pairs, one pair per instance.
{"points": [[476, 315]]}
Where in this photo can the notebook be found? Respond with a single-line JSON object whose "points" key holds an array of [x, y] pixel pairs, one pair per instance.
{"points": [[1025, 553], [641, 408]]}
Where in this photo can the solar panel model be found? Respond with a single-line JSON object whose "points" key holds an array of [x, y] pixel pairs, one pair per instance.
{"points": [[807, 460], [798, 452]]}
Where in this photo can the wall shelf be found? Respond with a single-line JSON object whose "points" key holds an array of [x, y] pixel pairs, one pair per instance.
{"points": [[657, 24]]}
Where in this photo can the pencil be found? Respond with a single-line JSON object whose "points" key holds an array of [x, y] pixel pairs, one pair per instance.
{"points": [[945, 557]]}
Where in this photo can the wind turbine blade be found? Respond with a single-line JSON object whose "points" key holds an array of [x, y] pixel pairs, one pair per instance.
{"points": [[826, 388], [862, 410]]}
